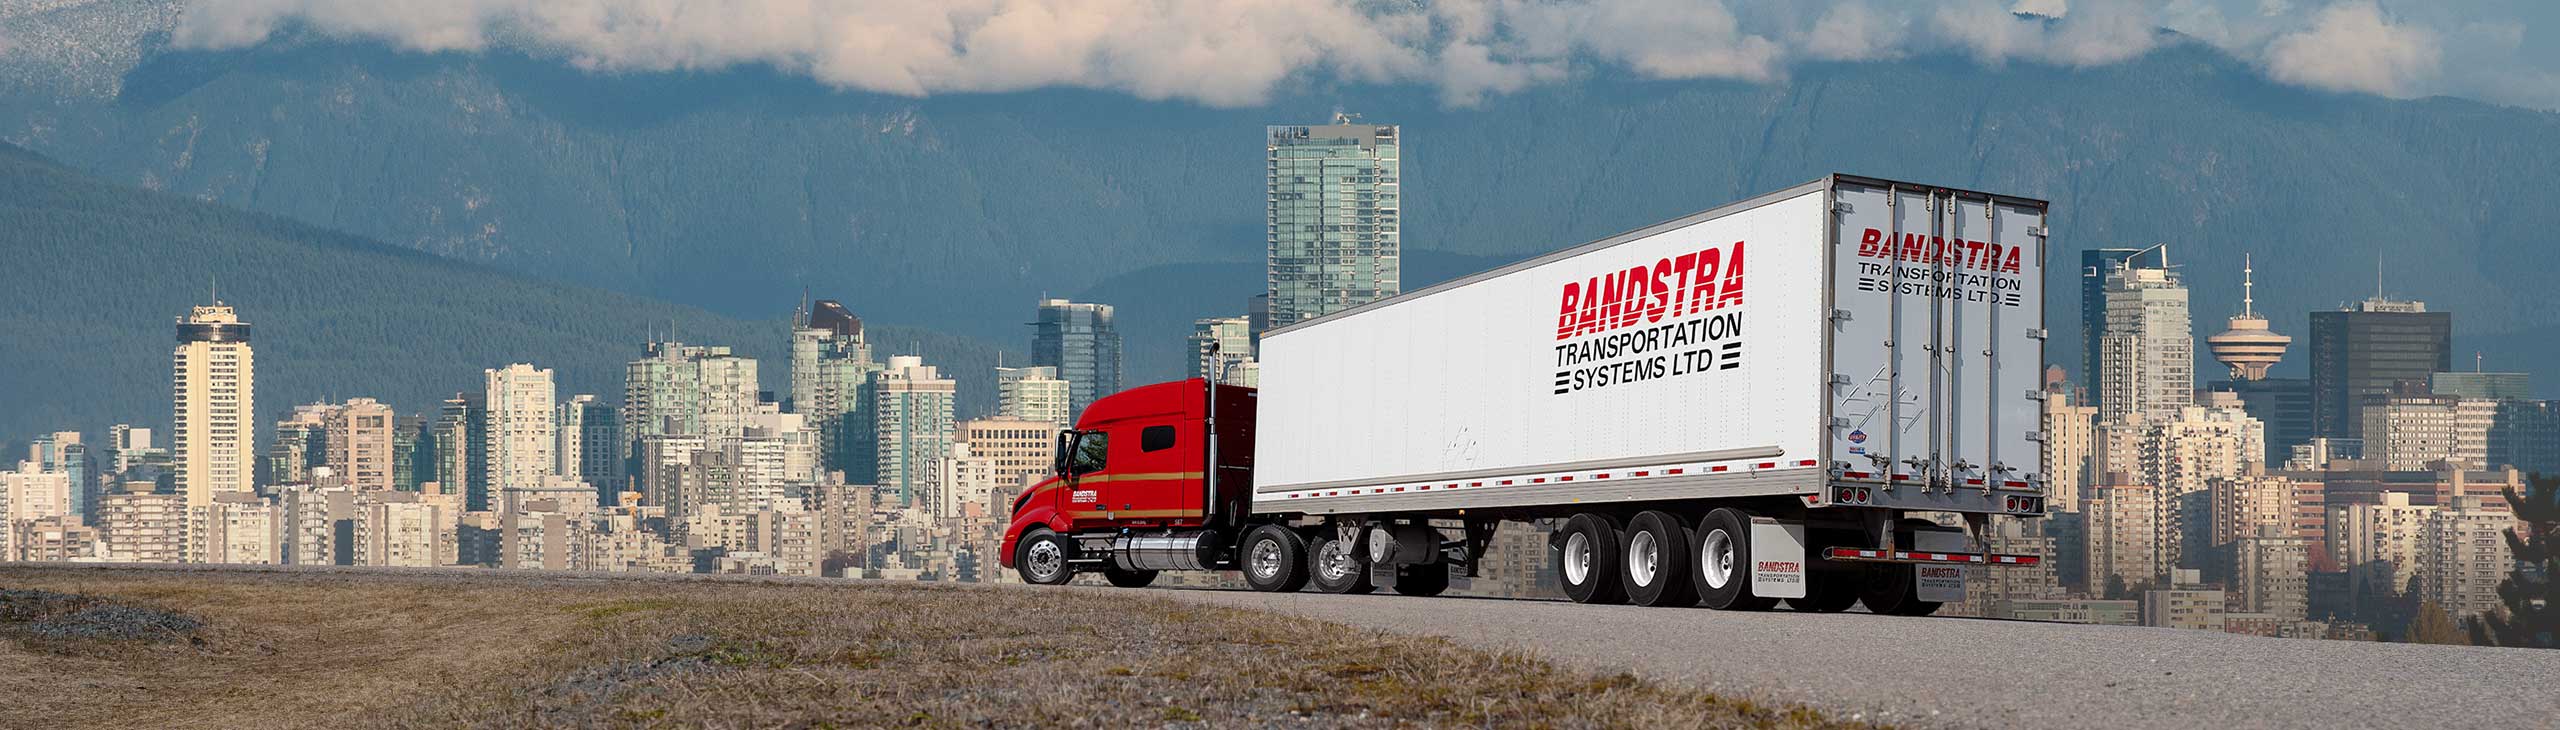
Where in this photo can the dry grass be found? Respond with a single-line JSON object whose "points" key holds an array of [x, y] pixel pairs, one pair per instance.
{"points": [[514, 650]]}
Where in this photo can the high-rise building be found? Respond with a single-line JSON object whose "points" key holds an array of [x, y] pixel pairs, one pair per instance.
{"points": [[2379, 544], [2095, 266], [213, 438], [2070, 450], [2123, 537], [2525, 434], [457, 448], [2466, 555], [2412, 430], [1334, 231], [64, 453], [1222, 350], [831, 367], [569, 437], [1018, 450], [915, 424], [1034, 394], [2146, 367], [360, 446], [1079, 340], [31, 492], [300, 445], [592, 451], [2283, 404], [676, 390], [2372, 349], [519, 430], [2485, 386], [140, 525]]}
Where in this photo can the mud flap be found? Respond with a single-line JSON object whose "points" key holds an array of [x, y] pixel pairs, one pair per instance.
{"points": [[1777, 559], [1940, 583]]}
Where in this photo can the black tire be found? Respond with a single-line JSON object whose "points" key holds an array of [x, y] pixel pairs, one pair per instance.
{"points": [[1892, 589], [1043, 558], [1722, 570], [1274, 559], [1586, 560], [1422, 581], [1654, 563], [1334, 567], [1128, 578]]}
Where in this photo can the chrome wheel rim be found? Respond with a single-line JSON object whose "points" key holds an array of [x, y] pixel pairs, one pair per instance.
{"points": [[1718, 557], [1266, 559], [1577, 559], [1046, 560], [1644, 558], [1334, 561]]}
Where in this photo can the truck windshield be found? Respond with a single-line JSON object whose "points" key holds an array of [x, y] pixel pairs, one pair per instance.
{"points": [[1091, 447]]}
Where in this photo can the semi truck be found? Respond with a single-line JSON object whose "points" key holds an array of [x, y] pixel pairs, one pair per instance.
{"points": [[1749, 405]]}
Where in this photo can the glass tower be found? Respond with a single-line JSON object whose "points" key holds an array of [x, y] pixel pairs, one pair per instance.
{"points": [[1333, 231]]}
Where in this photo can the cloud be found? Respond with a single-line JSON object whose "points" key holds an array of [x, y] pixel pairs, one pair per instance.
{"points": [[1241, 52], [2351, 46]]}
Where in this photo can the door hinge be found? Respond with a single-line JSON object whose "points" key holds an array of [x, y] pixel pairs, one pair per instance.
{"points": [[2036, 231], [1843, 206], [1838, 422], [1841, 315], [2035, 436], [2038, 333], [2036, 394], [1839, 378]]}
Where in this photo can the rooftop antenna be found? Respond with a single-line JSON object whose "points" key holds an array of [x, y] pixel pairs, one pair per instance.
{"points": [[2476, 361], [215, 288], [2377, 277], [2248, 287]]}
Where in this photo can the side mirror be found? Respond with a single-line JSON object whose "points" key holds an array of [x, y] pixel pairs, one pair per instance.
{"points": [[1066, 450]]}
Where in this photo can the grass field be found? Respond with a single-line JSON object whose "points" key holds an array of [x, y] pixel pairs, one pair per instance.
{"points": [[135, 648]]}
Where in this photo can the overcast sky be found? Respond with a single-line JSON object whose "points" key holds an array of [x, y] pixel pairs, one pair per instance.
{"points": [[1235, 52]]}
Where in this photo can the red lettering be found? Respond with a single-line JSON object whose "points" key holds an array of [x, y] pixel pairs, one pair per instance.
{"points": [[1703, 287], [1732, 293], [1566, 320], [2012, 265], [1868, 245], [1635, 292], [1913, 245], [1687, 263], [1661, 292], [1588, 320]]}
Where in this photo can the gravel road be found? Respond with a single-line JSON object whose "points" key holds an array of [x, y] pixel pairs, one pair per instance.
{"points": [[1952, 672]]}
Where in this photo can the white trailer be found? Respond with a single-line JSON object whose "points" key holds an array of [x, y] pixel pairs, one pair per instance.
{"points": [[1741, 404]]}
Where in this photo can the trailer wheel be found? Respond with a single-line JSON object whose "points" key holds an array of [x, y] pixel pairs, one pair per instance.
{"points": [[1586, 552], [1656, 565], [1042, 559], [1275, 559], [1335, 568], [1128, 578], [1723, 567], [1422, 580], [1891, 589]]}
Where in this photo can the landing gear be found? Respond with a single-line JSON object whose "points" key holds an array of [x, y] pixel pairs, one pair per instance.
{"points": [[1724, 562], [1336, 568], [1656, 565], [1586, 558], [1275, 559], [1042, 559]]}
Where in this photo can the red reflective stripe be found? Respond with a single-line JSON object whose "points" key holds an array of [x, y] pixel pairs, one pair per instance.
{"points": [[1718, 468], [1767, 465], [1973, 481], [1472, 484], [1902, 477], [1506, 482], [1539, 480], [1807, 462], [1564, 479], [1674, 471], [1856, 474]]}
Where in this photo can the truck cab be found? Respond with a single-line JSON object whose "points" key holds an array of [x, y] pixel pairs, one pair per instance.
{"points": [[1138, 464]]}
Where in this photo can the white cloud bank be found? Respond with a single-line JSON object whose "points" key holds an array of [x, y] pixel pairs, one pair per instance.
{"points": [[1237, 52]]}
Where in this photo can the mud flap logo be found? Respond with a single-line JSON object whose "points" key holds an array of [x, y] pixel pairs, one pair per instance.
{"points": [[1777, 559], [1940, 583]]}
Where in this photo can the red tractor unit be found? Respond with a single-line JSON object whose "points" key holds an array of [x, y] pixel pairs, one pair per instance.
{"points": [[1748, 405]]}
